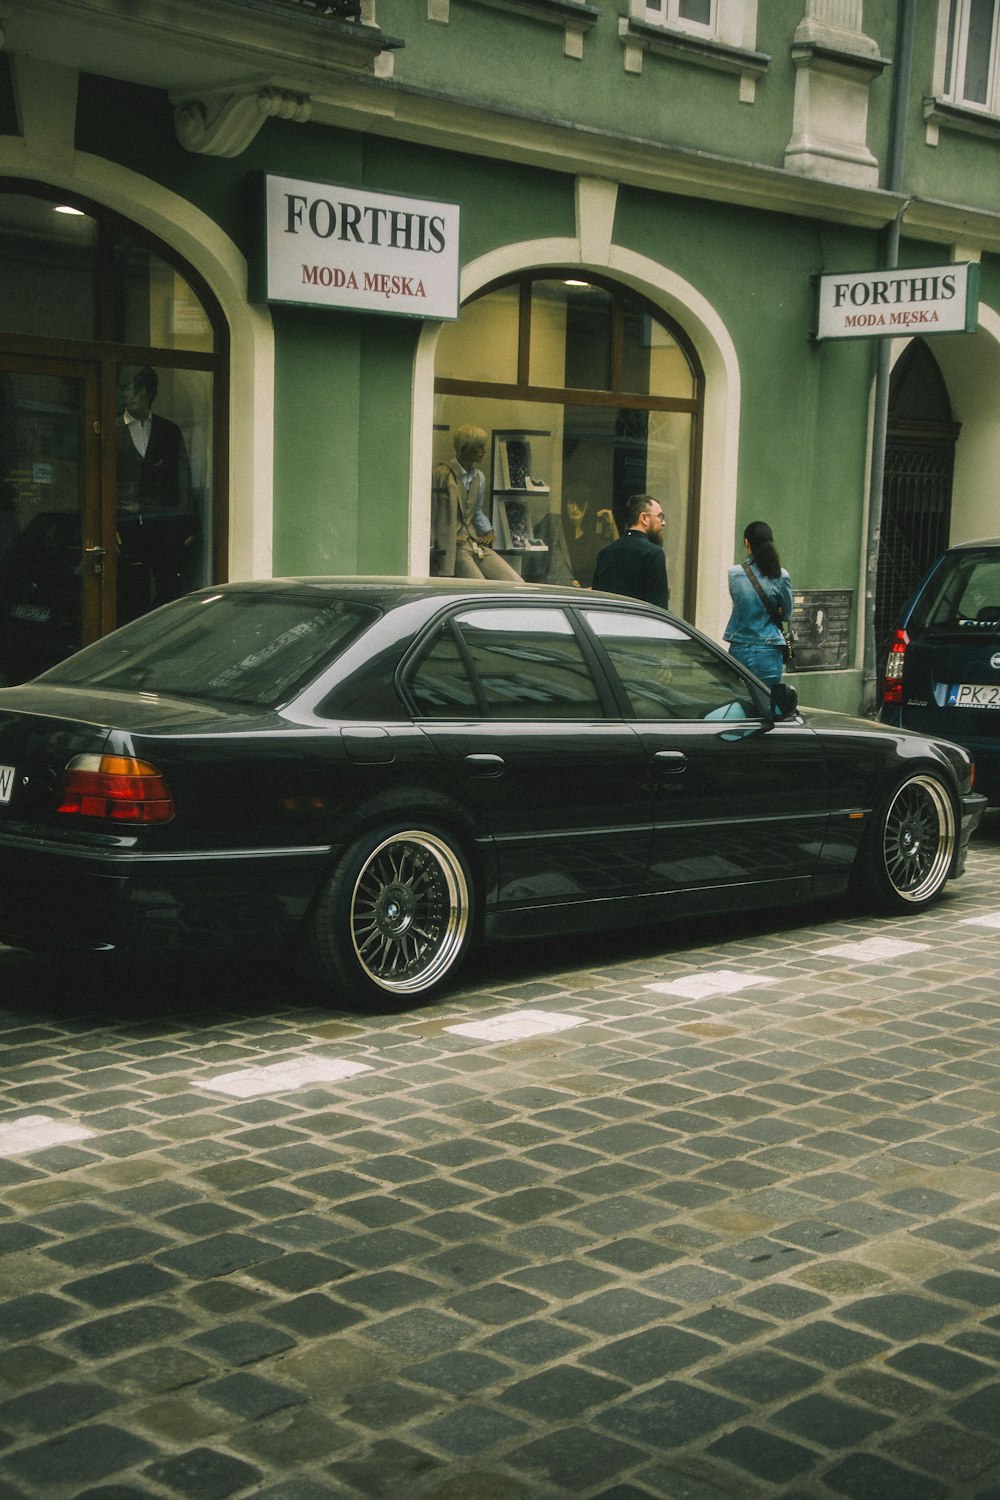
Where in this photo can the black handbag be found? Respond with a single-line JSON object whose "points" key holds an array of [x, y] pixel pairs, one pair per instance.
{"points": [[777, 615]]}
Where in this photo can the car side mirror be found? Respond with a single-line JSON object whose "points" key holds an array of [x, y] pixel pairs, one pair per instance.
{"points": [[784, 701]]}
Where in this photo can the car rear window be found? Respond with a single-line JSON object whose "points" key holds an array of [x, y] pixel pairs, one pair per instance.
{"points": [[253, 648], [963, 594]]}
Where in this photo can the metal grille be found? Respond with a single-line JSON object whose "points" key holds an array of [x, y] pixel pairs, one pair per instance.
{"points": [[916, 519]]}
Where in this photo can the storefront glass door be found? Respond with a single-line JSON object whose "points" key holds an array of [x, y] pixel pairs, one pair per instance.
{"points": [[113, 392], [53, 547]]}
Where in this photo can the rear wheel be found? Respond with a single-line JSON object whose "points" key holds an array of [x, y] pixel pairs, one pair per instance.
{"points": [[908, 849], [394, 919]]}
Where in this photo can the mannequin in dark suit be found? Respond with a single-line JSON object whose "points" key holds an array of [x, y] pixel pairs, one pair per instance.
{"points": [[158, 478], [154, 480]]}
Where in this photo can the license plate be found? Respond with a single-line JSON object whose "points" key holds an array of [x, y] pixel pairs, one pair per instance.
{"points": [[6, 782], [973, 695], [37, 613]]}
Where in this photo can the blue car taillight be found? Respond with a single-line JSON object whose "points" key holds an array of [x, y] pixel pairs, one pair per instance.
{"points": [[892, 688]]}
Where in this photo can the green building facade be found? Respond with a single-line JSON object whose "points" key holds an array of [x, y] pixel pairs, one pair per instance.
{"points": [[645, 196]]}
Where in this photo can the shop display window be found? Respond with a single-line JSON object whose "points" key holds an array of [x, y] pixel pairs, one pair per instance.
{"points": [[590, 396]]}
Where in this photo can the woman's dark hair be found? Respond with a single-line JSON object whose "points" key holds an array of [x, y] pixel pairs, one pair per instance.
{"points": [[588, 522], [760, 539]]}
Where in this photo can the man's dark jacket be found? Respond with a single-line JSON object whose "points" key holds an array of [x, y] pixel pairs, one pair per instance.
{"points": [[635, 566]]}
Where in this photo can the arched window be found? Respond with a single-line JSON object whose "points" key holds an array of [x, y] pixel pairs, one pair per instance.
{"points": [[113, 376], [588, 395]]}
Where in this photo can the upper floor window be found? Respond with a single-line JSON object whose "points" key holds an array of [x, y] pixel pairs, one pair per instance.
{"points": [[719, 34], [973, 67], [697, 16]]}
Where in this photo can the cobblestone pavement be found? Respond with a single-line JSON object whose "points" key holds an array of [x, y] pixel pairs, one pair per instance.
{"points": [[701, 1214]]}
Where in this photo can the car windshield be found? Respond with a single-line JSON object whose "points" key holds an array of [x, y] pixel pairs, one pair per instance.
{"points": [[252, 648], [964, 593]]}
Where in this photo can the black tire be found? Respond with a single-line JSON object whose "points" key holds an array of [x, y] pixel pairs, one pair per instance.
{"points": [[394, 919], [908, 849]]}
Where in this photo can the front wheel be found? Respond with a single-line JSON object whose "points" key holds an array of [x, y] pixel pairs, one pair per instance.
{"points": [[394, 918], [908, 850]]}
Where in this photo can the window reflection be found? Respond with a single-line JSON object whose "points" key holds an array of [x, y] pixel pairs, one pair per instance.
{"points": [[48, 286], [667, 674], [482, 345], [154, 305], [530, 664]]}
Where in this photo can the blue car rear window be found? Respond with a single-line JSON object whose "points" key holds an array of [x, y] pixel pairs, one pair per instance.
{"points": [[963, 594]]}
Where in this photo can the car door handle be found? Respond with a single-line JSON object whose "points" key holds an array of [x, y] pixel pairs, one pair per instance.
{"points": [[670, 762], [484, 766]]}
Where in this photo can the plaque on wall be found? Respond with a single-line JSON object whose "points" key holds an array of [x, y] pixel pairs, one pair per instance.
{"points": [[821, 624]]}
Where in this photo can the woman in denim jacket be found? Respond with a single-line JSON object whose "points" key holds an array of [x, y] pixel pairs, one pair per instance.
{"points": [[755, 639]]}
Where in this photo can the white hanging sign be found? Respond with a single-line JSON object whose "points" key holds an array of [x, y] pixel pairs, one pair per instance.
{"points": [[912, 300], [346, 247]]}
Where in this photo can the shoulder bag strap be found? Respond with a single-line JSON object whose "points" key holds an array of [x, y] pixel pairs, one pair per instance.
{"points": [[776, 613]]}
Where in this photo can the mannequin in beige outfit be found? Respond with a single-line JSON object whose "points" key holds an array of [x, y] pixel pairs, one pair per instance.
{"points": [[461, 532]]}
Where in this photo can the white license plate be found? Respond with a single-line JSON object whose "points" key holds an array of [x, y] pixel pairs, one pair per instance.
{"points": [[6, 782], [974, 695]]}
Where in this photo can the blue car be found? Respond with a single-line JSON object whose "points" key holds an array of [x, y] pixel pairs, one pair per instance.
{"points": [[943, 670]]}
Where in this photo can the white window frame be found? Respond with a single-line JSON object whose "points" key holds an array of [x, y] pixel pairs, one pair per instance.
{"points": [[668, 13], [957, 44], [733, 22]]}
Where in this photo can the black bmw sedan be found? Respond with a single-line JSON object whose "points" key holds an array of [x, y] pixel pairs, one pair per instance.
{"points": [[375, 773]]}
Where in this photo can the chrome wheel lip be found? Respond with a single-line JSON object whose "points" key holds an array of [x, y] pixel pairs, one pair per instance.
{"points": [[918, 839], [409, 912]]}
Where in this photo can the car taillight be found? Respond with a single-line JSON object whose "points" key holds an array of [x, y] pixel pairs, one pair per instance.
{"points": [[115, 787], [892, 688]]}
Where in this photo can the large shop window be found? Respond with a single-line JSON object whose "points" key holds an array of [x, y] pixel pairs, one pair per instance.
{"points": [[587, 396], [113, 364]]}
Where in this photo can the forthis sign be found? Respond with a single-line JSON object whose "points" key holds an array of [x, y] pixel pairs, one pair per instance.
{"points": [[345, 247], [894, 304]]}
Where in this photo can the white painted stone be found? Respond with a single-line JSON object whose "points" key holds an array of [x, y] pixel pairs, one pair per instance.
{"points": [[515, 1026], [873, 950], [39, 1133], [281, 1077], [712, 982]]}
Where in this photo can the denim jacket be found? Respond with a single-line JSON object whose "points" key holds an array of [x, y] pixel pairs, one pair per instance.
{"points": [[750, 620]]}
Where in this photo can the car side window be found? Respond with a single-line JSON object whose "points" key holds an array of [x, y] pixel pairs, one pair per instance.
{"points": [[668, 674], [530, 663], [440, 684]]}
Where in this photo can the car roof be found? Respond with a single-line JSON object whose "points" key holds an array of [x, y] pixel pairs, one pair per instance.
{"points": [[391, 592], [971, 546]]}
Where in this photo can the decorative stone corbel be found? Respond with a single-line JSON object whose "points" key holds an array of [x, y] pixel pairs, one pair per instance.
{"points": [[225, 124]]}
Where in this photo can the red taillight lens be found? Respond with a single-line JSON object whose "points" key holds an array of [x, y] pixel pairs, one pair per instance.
{"points": [[115, 787], [892, 688]]}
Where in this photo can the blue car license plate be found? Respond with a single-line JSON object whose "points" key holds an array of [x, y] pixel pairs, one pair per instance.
{"points": [[974, 695]]}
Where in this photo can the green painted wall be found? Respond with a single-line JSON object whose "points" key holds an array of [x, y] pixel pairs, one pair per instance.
{"points": [[341, 442], [516, 63]]}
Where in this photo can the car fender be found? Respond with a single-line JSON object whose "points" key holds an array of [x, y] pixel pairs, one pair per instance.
{"points": [[427, 807]]}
